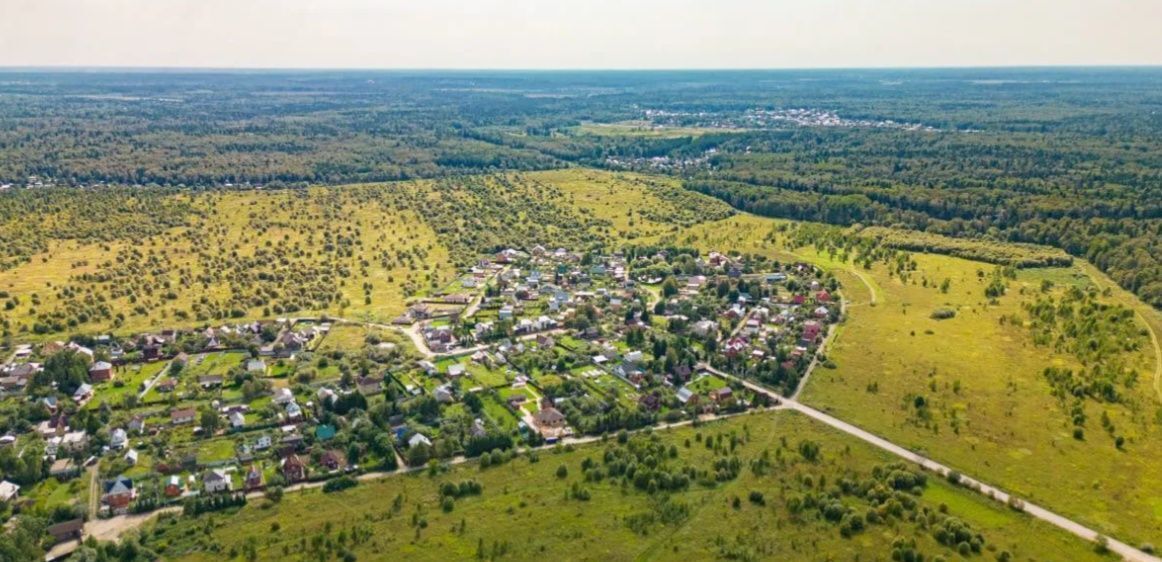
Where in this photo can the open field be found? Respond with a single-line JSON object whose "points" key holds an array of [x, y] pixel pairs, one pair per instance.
{"points": [[649, 130], [616, 523], [988, 409], [354, 251]]}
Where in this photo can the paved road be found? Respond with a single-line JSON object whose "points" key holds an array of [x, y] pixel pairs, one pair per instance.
{"points": [[1126, 551]]}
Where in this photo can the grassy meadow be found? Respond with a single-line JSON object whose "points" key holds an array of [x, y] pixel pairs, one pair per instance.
{"points": [[988, 409], [527, 512], [355, 251]]}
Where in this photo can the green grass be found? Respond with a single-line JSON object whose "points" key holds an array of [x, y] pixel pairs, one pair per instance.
{"points": [[130, 378], [1002, 426], [218, 363], [499, 413], [519, 496], [491, 378], [50, 493]]}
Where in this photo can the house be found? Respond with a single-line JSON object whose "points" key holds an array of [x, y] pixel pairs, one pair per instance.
{"points": [[428, 367], [443, 394], [549, 418], [50, 402], [173, 486], [684, 394], [118, 438], [137, 424], [237, 420], [58, 424], [334, 459], [478, 429], [8, 491], [131, 457], [419, 439], [74, 441], [253, 478], [369, 385], [83, 392], [217, 480], [67, 531], [101, 371], [294, 412], [256, 365], [283, 396], [263, 443], [118, 494], [80, 350], [721, 394], [63, 469], [456, 370], [167, 385], [182, 416], [210, 381], [290, 343], [822, 312], [325, 396], [294, 469], [811, 330]]}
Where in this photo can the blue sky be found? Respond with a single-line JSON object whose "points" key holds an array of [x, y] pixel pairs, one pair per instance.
{"points": [[578, 33]]}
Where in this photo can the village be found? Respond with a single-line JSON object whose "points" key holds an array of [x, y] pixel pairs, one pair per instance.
{"points": [[528, 348]]}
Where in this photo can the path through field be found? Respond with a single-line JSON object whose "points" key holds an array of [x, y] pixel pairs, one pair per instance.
{"points": [[1124, 550]]}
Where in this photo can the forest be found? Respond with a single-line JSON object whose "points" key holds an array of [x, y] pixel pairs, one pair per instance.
{"points": [[1065, 157]]}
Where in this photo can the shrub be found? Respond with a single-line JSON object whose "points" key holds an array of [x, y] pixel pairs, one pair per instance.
{"points": [[341, 483], [943, 313]]}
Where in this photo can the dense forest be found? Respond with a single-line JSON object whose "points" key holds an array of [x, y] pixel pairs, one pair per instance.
{"points": [[1070, 158]]}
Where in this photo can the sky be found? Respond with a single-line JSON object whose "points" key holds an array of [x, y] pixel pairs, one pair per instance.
{"points": [[569, 34]]}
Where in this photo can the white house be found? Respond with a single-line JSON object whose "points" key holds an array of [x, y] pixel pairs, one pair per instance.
{"points": [[118, 438], [8, 491], [419, 439], [284, 396], [217, 480], [237, 420]]}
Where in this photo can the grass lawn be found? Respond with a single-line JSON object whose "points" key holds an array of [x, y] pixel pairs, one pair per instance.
{"points": [[498, 413], [218, 363], [706, 384], [50, 493], [518, 496], [491, 378], [217, 449], [127, 381], [344, 337]]}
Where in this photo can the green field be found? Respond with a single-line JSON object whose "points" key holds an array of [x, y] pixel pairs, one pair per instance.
{"points": [[356, 251], [526, 512], [989, 411]]}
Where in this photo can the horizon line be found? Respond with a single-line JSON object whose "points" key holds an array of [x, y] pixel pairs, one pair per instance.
{"points": [[207, 68]]}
